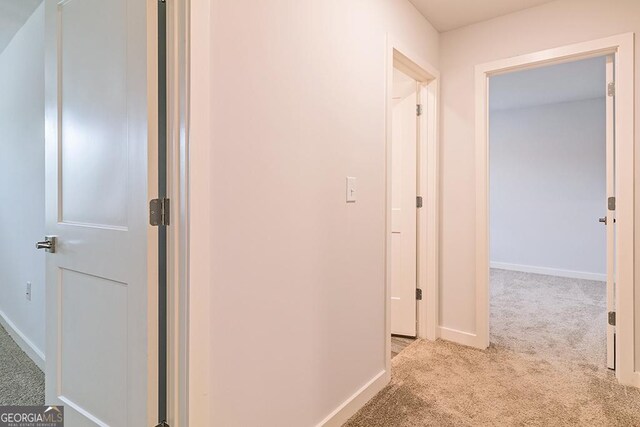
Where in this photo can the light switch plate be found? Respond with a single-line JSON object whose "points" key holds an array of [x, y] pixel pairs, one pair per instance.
{"points": [[351, 189], [28, 291]]}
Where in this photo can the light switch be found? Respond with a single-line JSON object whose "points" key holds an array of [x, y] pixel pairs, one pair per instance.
{"points": [[351, 189]]}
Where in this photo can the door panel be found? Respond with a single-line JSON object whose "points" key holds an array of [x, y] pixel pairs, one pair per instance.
{"points": [[610, 224], [404, 219], [93, 48], [92, 326], [98, 347]]}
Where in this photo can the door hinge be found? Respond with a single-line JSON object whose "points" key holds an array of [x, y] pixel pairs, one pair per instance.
{"points": [[611, 89], [612, 318], [419, 109], [419, 294], [611, 202], [159, 212], [418, 201]]}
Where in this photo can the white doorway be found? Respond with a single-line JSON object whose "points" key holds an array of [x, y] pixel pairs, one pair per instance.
{"points": [[411, 200], [81, 161], [549, 184], [621, 49], [92, 124]]}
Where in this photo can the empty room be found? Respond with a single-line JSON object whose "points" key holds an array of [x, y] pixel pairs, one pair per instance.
{"points": [[548, 191]]}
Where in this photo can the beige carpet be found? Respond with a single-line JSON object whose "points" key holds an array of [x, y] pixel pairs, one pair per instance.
{"points": [[536, 373], [21, 381], [549, 317]]}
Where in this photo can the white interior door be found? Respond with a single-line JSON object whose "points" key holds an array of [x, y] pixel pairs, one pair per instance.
{"points": [[610, 216], [98, 349], [403, 204]]}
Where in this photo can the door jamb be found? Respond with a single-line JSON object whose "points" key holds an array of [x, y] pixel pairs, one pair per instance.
{"points": [[190, 315], [178, 24], [622, 46], [398, 56], [189, 58]]}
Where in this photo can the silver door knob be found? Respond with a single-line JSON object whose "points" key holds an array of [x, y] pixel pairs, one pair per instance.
{"points": [[603, 220], [49, 244]]}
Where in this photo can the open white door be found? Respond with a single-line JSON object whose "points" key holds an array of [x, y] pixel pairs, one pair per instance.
{"points": [[98, 348], [609, 219], [403, 205]]}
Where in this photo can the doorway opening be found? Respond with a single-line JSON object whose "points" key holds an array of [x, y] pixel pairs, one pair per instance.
{"points": [[404, 214], [83, 285], [619, 199], [551, 155], [412, 200]]}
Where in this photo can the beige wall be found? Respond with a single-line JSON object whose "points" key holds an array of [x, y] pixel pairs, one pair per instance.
{"points": [[296, 275], [553, 24]]}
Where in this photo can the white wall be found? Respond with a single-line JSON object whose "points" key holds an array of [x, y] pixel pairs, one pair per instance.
{"points": [[22, 179], [548, 187], [295, 275], [550, 25]]}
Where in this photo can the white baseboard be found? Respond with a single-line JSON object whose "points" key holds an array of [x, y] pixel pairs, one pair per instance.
{"points": [[357, 401], [23, 342], [461, 337], [550, 271]]}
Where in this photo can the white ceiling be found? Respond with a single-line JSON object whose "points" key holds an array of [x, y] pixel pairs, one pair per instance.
{"points": [[571, 81], [13, 15], [448, 15]]}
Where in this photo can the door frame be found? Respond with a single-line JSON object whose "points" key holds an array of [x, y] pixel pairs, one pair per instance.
{"points": [[399, 56], [189, 136], [622, 47], [188, 316], [177, 232], [178, 236]]}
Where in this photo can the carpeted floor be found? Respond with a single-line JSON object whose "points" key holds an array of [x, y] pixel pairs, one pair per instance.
{"points": [[545, 366], [21, 381], [549, 317]]}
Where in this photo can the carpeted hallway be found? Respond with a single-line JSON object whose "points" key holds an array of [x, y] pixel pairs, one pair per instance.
{"points": [[546, 366], [21, 381]]}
